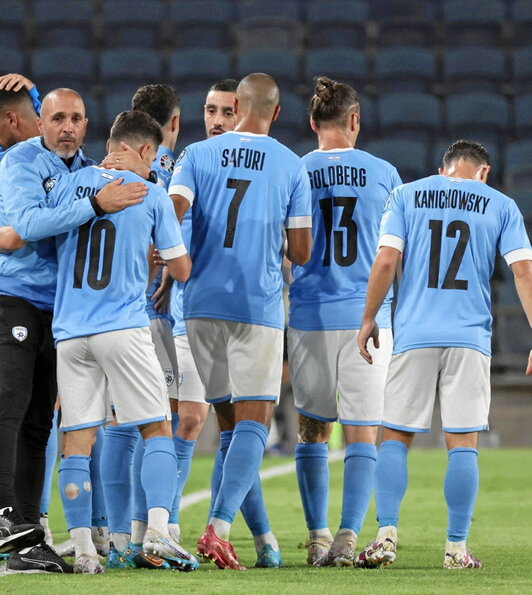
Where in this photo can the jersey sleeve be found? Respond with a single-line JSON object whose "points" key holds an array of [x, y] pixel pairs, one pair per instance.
{"points": [[167, 235], [393, 224], [395, 179], [183, 181], [26, 203], [514, 244], [299, 213]]}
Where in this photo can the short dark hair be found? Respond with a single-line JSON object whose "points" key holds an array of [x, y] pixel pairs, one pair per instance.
{"points": [[8, 98], [136, 127], [159, 101], [226, 85], [332, 100], [466, 149]]}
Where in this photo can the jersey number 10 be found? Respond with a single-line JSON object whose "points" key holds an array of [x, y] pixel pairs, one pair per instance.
{"points": [[95, 254], [348, 204]]}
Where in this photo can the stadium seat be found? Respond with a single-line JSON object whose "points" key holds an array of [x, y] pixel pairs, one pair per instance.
{"points": [[517, 156], [196, 69], [113, 104], [405, 68], [337, 23], [475, 22], [473, 68], [495, 158], [124, 69], [292, 122], [523, 116], [269, 24], [192, 108], [283, 65], [408, 156], [518, 185], [62, 67], [344, 64], [408, 22], [521, 17], [93, 110], [368, 116], [135, 24], [416, 116], [59, 23], [479, 116], [305, 146], [11, 60], [522, 69], [95, 149], [12, 26], [201, 23]]}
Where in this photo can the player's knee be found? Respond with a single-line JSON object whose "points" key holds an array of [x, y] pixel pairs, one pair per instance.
{"points": [[190, 424], [313, 430]]}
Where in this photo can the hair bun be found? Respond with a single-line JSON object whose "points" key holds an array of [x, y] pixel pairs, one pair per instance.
{"points": [[324, 88]]}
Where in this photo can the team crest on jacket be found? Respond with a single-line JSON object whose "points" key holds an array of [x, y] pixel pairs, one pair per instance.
{"points": [[49, 184], [169, 376], [19, 332], [167, 162]]}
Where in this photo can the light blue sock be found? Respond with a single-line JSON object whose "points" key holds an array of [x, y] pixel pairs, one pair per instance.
{"points": [[241, 467], [253, 509], [391, 480], [217, 470], [51, 458], [312, 470], [75, 489], [99, 516], [460, 489], [159, 472], [175, 422], [359, 475], [140, 508], [184, 449], [115, 467]]}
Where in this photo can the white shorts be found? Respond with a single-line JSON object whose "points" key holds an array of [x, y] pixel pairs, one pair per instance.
{"points": [[118, 368], [190, 385], [236, 360], [330, 379], [161, 334], [459, 377]]}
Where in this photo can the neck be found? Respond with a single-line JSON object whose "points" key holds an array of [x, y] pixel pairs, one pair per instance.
{"points": [[463, 170], [251, 123], [335, 138], [169, 140]]}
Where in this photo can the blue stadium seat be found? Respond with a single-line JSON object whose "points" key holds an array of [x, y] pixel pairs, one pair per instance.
{"points": [[368, 116], [479, 116], [62, 67], [523, 116], [59, 23], [408, 156], [473, 68], [405, 68], [337, 23], [475, 22], [292, 122], [95, 149], [11, 60], [196, 69], [305, 146], [518, 185], [416, 116], [201, 23], [12, 23], [283, 65], [522, 69], [134, 24], [124, 69], [113, 104], [344, 64], [521, 17], [93, 110], [192, 109], [517, 156], [401, 22], [495, 158]]}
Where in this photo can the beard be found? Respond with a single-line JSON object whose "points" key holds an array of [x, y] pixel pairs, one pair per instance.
{"points": [[65, 154]]}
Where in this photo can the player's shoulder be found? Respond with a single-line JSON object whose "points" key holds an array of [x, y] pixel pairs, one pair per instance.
{"points": [[24, 152]]}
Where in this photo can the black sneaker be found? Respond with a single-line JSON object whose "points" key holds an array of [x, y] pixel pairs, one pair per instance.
{"points": [[40, 558], [14, 537]]}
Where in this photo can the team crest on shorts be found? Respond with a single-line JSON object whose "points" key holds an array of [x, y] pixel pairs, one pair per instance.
{"points": [[167, 163], [49, 184], [19, 332], [169, 376]]}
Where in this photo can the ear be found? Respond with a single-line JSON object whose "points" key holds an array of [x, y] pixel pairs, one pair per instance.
{"points": [[39, 124], [440, 171], [235, 106], [313, 125], [276, 113], [143, 150], [13, 119], [484, 173], [107, 145], [174, 123]]}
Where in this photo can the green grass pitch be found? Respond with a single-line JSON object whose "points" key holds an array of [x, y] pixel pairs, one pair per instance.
{"points": [[501, 535]]}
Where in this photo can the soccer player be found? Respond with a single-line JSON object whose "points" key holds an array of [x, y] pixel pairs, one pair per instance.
{"points": [[243, 186], [448, 227], [104, 347], [27, 288], [349, 190]]}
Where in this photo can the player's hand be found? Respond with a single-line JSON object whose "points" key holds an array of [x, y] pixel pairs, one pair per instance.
{"points": [[15, 82], [157, 260], [115, 196], [126, 159], [529, 366], [10, 240], [368, 330], [162, 296]]}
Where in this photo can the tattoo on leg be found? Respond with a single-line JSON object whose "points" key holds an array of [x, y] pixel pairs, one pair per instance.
{"points": [[310, 429]]}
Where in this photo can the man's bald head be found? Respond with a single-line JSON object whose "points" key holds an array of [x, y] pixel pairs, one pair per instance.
{"points": [[63, 122], [258, 93]]}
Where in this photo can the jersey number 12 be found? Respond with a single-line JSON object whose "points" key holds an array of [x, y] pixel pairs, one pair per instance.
{"points": [[99, 274], [455, 227]]}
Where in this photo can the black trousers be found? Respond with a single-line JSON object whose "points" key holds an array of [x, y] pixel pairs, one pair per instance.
{"points": [[28, 390]]}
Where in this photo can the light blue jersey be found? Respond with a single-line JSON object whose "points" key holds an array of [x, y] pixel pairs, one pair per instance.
{"points": [[103, 265], [451, 230], [25, 173], [163, 165], [243, 188], [179, 327], [349, 191]]}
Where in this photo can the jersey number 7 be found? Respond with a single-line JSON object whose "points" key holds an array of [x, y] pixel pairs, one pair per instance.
{"points": [[240, 187]]}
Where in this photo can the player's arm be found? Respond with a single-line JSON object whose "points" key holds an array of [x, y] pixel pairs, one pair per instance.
{"points": [[10, 240], [180, 267], [299, 244], [181, 205], [182, 188], [16, 82], [298, 222], [522, 271]]}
